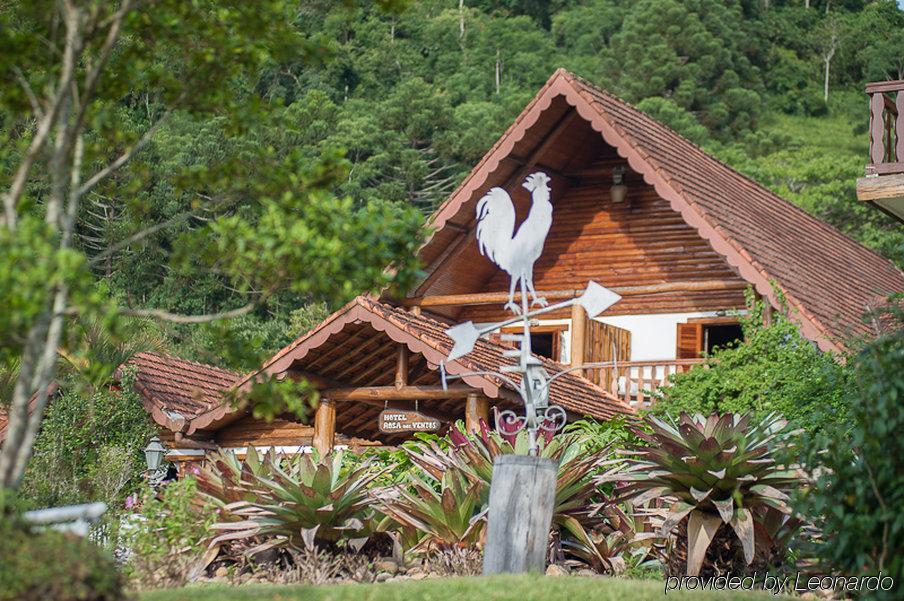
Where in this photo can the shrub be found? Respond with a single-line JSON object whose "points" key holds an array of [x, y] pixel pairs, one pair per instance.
{"points": [[858, 496], [728, 493], [41, 565], [168, 537], [299, 501], [89, 447], [578, 456], [774, 370], [443, 519]]}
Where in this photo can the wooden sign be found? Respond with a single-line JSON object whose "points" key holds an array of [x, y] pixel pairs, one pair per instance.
{"points": [[393, 421]]}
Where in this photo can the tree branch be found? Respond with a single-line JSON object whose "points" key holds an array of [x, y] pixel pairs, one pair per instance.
{"points": [[162, 315], [29, 93], [137, 237], [17, 187], [124, 157], [94, 72]]}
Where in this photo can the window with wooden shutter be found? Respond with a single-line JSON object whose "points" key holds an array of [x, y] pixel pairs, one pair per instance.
{"points": [[690, 340]]}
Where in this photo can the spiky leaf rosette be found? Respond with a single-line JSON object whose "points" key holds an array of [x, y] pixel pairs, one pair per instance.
{"points": [[716, 470], [473, 455], [299, 501], [446, 518]]}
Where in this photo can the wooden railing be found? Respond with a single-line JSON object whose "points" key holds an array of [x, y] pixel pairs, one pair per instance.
{"points": [[634, 381], [886, 127]]}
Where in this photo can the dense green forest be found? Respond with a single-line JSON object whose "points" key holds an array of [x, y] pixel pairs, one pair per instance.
{"points": [[403, 100]]}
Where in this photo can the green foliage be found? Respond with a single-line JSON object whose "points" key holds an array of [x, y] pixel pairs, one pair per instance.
{"points": [[442, 518], [39, 565], [773, 370], [90, 447], [23, 290], [299, 501], [857, 499], [614, 433], [472, 456], [168, 535], [698, 53], [721, 472]]}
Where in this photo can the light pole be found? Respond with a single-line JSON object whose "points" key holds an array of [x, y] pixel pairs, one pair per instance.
{"points": [[153, 457]]}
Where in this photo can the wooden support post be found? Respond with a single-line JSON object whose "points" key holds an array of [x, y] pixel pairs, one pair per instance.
{"points": [[522, 496], [325, 426], [476, 408], [401, 374], [578, 334]]}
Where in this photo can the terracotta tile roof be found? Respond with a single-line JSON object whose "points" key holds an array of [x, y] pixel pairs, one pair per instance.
{"points": [[572, 392], [426, 335], [828, 279], [834, 278], [172, 390], [32, 404], [4, 420], [171, 387]]}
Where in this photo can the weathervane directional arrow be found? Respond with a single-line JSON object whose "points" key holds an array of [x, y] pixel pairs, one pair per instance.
{"points": [[595, 299]]}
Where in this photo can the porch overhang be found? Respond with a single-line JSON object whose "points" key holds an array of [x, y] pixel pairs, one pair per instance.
{"points": [[370, 356]]}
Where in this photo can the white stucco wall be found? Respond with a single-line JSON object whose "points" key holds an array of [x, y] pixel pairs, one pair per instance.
{"points": [[653, 337]]}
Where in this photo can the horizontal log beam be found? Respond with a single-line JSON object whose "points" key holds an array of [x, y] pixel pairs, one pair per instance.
{"points": [[391, 393], [488, 298], [881, 187]]}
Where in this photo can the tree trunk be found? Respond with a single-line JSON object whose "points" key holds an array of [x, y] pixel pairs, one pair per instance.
{"points": [[828, 61], [498, 71], [522, 498]]}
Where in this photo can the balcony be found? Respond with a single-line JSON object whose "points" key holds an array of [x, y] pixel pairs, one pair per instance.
{"points": [[635, 381], [883, 185]]}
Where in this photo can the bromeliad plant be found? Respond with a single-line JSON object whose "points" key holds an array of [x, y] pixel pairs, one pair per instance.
{"points": [[725, 484], [473, 454], [444, 519], [301, 502]]}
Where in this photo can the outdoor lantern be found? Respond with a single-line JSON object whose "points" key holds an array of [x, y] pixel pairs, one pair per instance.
{"points": [[619, 191], [153, 454]]}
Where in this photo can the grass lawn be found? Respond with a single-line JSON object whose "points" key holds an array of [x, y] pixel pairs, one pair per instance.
{"points": [[498, 588]]}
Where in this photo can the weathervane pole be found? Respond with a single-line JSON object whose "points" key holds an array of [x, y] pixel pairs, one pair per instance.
{"points": [[522, 491]]}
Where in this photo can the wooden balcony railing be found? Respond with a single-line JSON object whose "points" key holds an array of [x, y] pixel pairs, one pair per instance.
{"points": [[886, 127], [634, 381]]}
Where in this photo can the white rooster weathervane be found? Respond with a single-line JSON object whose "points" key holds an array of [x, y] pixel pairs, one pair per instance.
{"points": [[516, 252]]}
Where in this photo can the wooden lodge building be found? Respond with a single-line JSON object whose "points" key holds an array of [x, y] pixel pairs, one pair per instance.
{"points": [[681, 246]]}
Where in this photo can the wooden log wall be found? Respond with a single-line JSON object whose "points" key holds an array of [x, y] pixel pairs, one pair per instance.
{"points": [[638, 242], [259, 432]]}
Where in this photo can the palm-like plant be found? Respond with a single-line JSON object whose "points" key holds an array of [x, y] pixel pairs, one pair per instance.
{"points": [[299, 501], [447, 518], [724, 484], [473, 456]]}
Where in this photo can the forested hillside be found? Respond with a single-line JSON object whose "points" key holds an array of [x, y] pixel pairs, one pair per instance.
{"points": [[412, 96]]}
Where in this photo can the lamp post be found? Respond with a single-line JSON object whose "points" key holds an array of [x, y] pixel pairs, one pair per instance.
{"points": [[153, 457]]}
